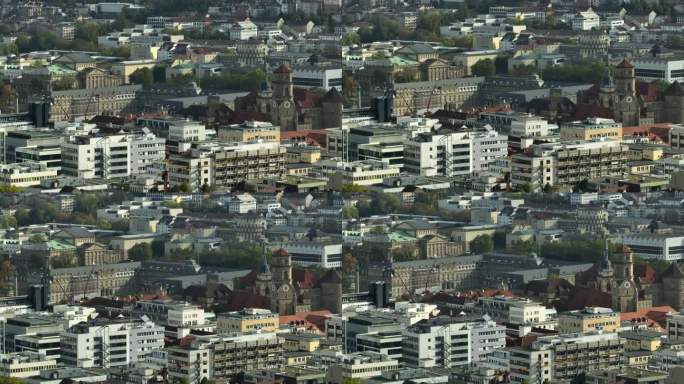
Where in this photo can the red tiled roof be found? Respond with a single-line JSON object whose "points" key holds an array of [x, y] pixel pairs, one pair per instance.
{"points": [[589, 297], [316, 137], [654, 317], [304, 278], [655, 132], [583, 111], [306, 98], [313, 319], [647, 91], [238, 300]]}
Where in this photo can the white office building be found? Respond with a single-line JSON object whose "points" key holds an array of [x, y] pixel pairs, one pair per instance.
{"points": [[586, 21], [453, 153], [243, 30], [525, 128], [314, 253], [111, 157], [448, 342], [322, 76], [103, 344], [657, 68], [655, 246]]}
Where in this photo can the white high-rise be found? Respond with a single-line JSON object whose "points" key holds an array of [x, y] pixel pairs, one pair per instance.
{"points": [[112, 156]]}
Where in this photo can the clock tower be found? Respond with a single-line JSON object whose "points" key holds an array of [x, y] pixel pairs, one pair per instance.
{"points": [[625, 294], [283, 106], [283, 295]]}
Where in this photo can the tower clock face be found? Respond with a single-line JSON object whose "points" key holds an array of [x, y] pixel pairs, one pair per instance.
{"points": [[628, 99], [286, 104], [626, 284]]}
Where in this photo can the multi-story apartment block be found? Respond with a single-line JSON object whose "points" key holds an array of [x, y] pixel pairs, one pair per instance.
{"points": [[589, 319], [593, 128], [568, 163], [226, 165], [452, 153], [224, 357], [448, 342], [247, 320]]}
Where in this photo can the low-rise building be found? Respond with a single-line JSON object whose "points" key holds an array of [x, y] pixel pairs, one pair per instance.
{"points": [[247, 320], [25, 174], [593, 128], [589, 319]]}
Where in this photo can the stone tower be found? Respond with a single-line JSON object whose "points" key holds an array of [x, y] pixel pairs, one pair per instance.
{"points": [[625, 294], [674, 103], [625, 79], [264, 279], [332, 104], [605, 274], [283, 295], [283, 110]]}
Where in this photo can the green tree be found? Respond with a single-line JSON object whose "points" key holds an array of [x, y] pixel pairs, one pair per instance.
{"points": [[350, 212], [159, 73], [140, 252], [406, 252], [141, 76], [351, 38], [482, 244], [349, 263], [484, 67]]}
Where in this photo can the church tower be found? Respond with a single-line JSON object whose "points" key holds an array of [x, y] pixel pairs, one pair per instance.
{"points": [[264, 279], [283, 111], [625, 295], [625, 79], [283, 295], [605, 273]]}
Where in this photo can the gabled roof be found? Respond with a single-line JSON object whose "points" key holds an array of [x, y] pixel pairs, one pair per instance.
{"points": [[419, 48], [625, 64], [282, 69], [332, 96]]}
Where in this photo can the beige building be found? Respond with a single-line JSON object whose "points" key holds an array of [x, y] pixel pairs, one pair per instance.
{"points": [[306, 154], [71, 104], [420, 96], [25, 174], [469, 58], [250, 131], [248, 320], [593, 128], [568, 163], [589, 319], [124, 69]]}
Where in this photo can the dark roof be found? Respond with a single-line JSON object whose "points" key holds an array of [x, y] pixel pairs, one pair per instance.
{"points": [[284, 68], [333, 276], [675, 89], [333, 96], [625, 64]]}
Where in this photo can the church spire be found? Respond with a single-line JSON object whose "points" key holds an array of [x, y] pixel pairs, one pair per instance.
{"points": [[606, 265]]}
